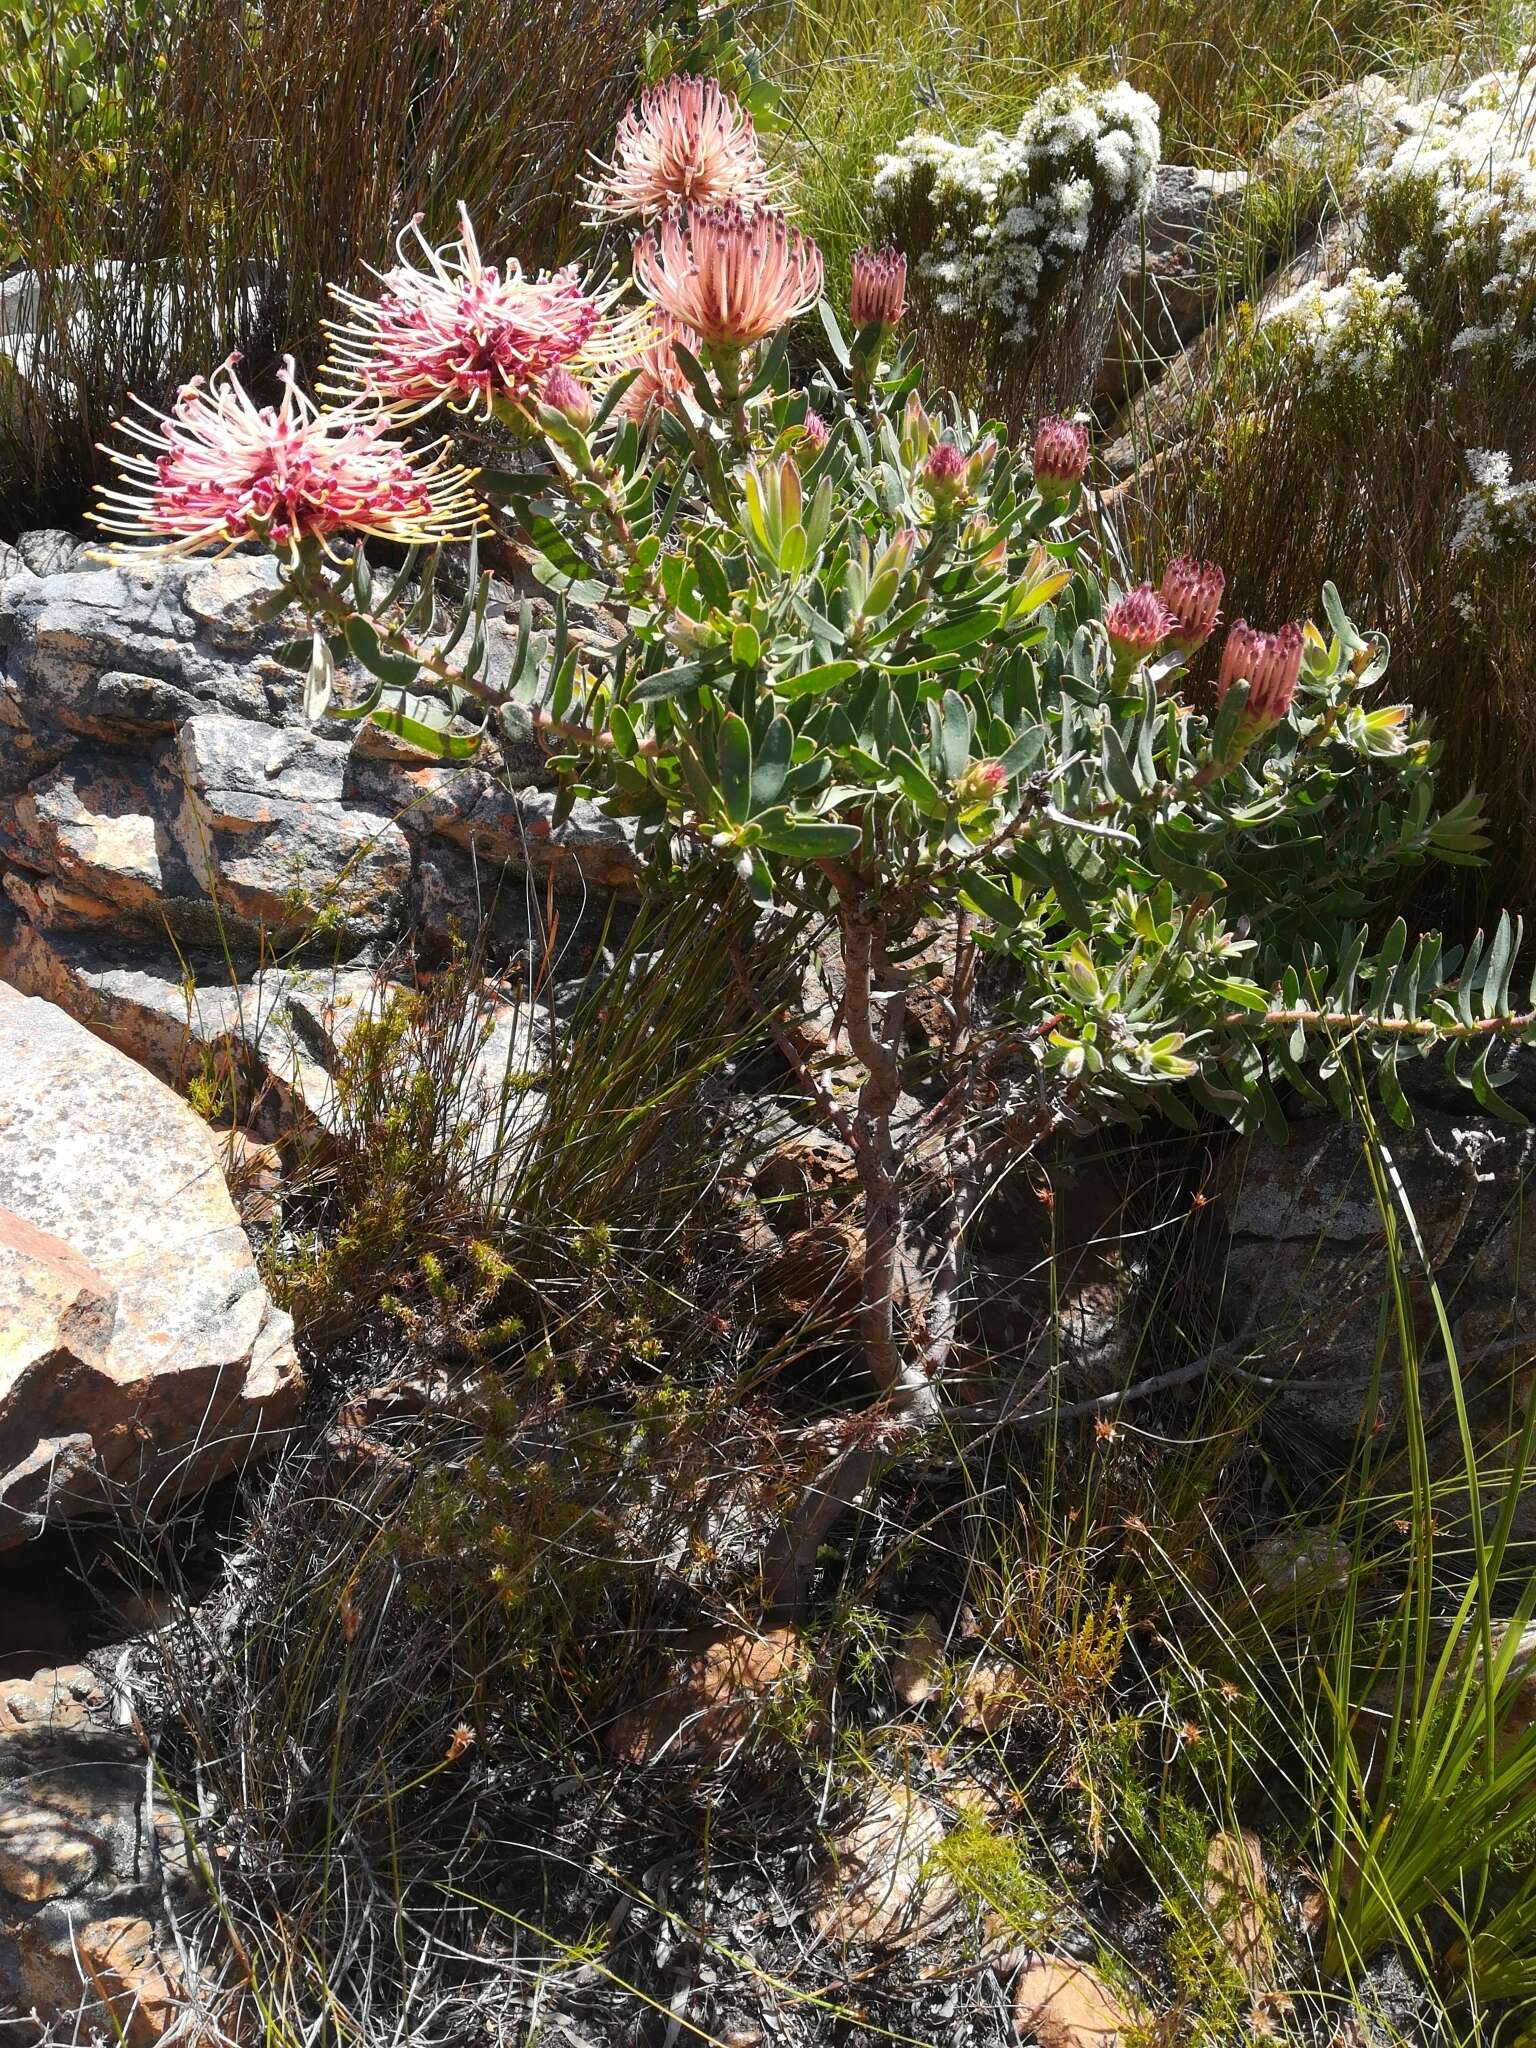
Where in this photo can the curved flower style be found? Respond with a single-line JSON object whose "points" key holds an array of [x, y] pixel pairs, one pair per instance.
{"points": [[877, 292], [733, 274], [468, 335], [1060, 457], [1268, 662], [1192, 591], [1137, 624], [686, 142], [662, 378], [220, 469]]}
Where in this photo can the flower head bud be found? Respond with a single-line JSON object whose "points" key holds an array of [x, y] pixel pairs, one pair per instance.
{"points": [[981, 782], [1192, 591], [980, 460], [1137, 625], [944, 473], [1269, 663], [989, 541], [1061, 457], [814, 436], [877, 295], [564, 393], [917, 434]]}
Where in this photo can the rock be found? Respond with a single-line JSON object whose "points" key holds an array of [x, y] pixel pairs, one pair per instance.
{"points": [[159, 779], [142, 1355], [1062, 2004], [885, 1888], [992, 1694], [92, 1864], [918, 1671], [716, 1702], [1238, 1901], [1289, 1566], [1306, 1262], [47, 551], [1169, 290], [1355, 124], [253, 1173]]}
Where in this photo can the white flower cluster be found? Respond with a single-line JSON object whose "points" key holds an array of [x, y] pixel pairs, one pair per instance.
{"points": [[1498, 516], [1465, 166], [1352, 335], [1013, 215]]}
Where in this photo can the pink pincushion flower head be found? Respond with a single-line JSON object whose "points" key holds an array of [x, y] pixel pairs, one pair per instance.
{"points": [[733, 274], [877, 293], [1192, 591], [1270, 664], [682, 143], [219, 469], [1060, 457], [1137, 625], [449, 329]]}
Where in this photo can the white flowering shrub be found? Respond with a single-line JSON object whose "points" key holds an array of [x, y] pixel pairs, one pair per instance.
{"points": [[1003, 223], [1352, 338], [1497, 516], [1455, 202]]}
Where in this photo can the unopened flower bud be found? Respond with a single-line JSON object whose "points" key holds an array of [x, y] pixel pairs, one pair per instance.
{"points": [[989, 541], [980, 460], [1269, 663], [878, 291], [916, 430], [1137, 625], [814, 436], [981, 782], [944, 473], [564, 393], [1192, 591], [1061, 457]]}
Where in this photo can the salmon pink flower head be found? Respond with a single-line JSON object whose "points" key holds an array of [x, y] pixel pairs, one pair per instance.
{"points": [[218, 469], [1137, 625], [1060, 457], [449, 329], [877, 293], [685, 142], [1192, 591], [662, 379], [734, 274], [1269, 663]]}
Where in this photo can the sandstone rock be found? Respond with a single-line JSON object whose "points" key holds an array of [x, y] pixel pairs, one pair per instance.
{"points": [[253, 1173], [918, 1671], [143, 1357], [1169, 290], [1237, 1899], [1354, 124], [1062, 2004], [1306, 1262], [885, 1888], [90, 1861], [715, 1704]]}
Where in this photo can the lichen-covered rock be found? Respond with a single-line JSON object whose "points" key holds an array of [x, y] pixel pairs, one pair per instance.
{"points": [[1062, 2004], [93, 1862], [1306, 1260], [162, 794], [885, 1887], [141, 1356]]}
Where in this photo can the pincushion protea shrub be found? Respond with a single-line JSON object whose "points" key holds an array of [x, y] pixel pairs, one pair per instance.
{"points": [[869, 670]]}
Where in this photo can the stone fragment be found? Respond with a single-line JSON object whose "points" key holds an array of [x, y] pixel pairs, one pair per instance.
{"points": [[918, 1670], [191, 1368], [714, 1705], [88, 1859], [1062, 2004], [1237, 1898], [885, 1887]]}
